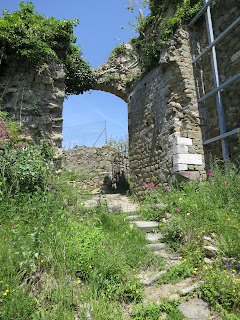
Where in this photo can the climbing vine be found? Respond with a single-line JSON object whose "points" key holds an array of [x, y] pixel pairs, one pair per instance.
{"points": [[155, 30], [26, 35]]}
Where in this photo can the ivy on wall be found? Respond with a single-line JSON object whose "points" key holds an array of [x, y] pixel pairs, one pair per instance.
{"points": [[26, 35], [155, 30]]}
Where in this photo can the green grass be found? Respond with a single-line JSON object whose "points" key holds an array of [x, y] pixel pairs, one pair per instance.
{"points": [[59, 260], [56, 257], [196, 210]]}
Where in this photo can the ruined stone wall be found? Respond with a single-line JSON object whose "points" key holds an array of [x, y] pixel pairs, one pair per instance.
{"points": [[228, 58], [98, 166], [34, 96], [165, 138], [166, 124]]}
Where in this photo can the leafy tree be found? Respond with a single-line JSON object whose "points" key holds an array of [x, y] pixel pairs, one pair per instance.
{"points": [[26, 35]]}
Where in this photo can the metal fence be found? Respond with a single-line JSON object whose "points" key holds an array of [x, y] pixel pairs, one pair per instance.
{"points": [[217, 86]]}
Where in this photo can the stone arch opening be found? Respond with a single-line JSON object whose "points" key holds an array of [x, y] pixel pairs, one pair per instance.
{"points": [[93, 107], [86, 150]]}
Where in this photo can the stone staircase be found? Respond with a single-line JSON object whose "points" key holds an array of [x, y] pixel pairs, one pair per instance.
{"points": [[194, 308]]}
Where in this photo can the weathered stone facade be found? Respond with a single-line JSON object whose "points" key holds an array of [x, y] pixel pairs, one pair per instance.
{"points": [[34, 96], [165, 137], [167, 126]]}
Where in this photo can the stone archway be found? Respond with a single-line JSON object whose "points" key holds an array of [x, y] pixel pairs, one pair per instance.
{"points": [[163, 119]]}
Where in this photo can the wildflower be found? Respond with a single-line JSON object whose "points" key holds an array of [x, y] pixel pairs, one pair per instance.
{"points": [[234, 290], [210, 173], [233, 270], [130, 288], [224, 184], [184, 260], [99, 275], [188, 214], [41, 261], [189, 174], [137, 291], [12, 224], [169, 293], [167, 189], [20, 145], [79, 281], [5, 294], [108, 290], [133, 269], [144, 184], [180, 258], [7, 291], [90, 267], [151, 185], [176, 209], [180, 199], [165, 214]]}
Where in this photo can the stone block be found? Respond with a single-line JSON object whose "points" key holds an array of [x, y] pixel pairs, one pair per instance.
{"points": [[184, 141], [179, 167], [11, 90], [187, 159], [180, 149], [30, 78], [47, 80], [59, 75]]}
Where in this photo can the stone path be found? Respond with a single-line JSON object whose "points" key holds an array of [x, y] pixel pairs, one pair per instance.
{"points": [[193, 308]]}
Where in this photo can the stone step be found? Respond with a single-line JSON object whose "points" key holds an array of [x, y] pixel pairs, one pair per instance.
{"points": [[154, 278], [195, 308], [146, 225], [154, 236], [156, 246]]}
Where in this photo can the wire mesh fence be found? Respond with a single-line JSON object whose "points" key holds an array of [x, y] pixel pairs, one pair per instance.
{"points": [[88, 135]]}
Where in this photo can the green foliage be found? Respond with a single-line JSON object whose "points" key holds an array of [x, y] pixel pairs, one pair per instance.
{"points": [[153, 311], [26, 35], [155, 31], [121, 144], [177, 273], [24, 167], [117, 51], [221, 288]]}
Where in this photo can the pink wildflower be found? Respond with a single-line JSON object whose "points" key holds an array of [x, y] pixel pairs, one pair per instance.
{"points": [[54, 213], [176, 209], [12, 224], [189, 174], [210, 173], [144, 184], [151, 185], [165, 214], [20, 145], [167, 189]]}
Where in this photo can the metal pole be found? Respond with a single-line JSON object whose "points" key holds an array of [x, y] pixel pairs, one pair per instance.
{"points": [[221, 118], [105, 132]]}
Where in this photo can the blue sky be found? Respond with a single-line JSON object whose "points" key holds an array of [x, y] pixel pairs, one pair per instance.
{"points": [[98, 32]]}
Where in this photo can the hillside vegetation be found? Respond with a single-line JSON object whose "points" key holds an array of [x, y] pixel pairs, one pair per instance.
{"points": [[59, 260]]}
